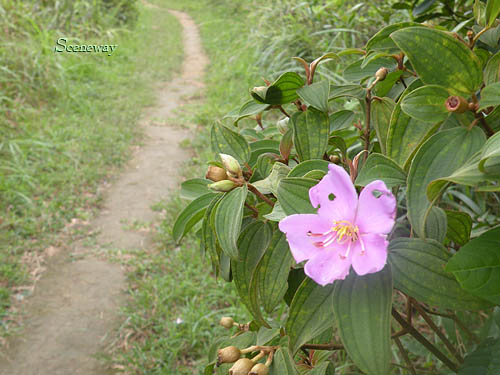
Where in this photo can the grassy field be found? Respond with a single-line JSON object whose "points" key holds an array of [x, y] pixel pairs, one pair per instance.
{"points": [[69, 128]]}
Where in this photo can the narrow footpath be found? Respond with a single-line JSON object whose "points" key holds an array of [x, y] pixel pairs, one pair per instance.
{"points": [[76, 304]]}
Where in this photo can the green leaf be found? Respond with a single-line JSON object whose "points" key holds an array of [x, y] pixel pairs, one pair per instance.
{"points": [[380, 167], [459, 227], [252, 244], [418, 270], [490, 96], [208, 236], [193, 213], [316, 95], [439, 156], [226, 141], [436, 224], [320, 369], [356, 73], [310, 133], [227, 221], [385, 87], [406, 134], [293, 195], [479, 12], [310, 313], [341, 119], [302, 168], [250, 108], [277, 214], [270, 183], [492, 70], [352, 91], [362, 306], [282, 91], [477, 266], [194, 188], [381, 41], [458, 68], [490, 151], [484, 360], [426, 104], [492, 11], [381, 111], [272, 272], [286, 144], [283, 363], [265, 163]]}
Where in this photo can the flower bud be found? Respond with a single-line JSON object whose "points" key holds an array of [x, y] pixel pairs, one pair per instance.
{"points": [[381, 74], [226, 322], [224, 185], [457, 104], [334, 159], [259, 92], [259, 369], [228, 354], [282, 125], [232, 166], [241, 367], [215, 173]]}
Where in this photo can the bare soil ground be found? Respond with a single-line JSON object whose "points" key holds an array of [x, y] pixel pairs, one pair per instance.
{"points": [[76, 304]]}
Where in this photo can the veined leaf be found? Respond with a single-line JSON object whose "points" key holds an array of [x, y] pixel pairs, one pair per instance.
{"points": [[226, 141], [477, 266], [458, 69], [436, 224], [293, 195], [381, 114], [353, 91], [362, 306], [316, 95], [252, 244], [492, 70], [381, 41], [484, 360], [302, 168], [427, 104], [441, 154], [490, 96], [250, 108], [283, 363], [418, 270], [272, 272], [459, 227], [228, 219], [341, 119], [490, 151], [380, 167], [282, 91], [193, 213], [310, 313], [356, 73], [492, 11], [194, 188], [310, 133]]}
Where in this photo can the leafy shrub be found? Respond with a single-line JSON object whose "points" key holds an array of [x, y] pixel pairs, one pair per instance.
{"points": [[414, 130]]}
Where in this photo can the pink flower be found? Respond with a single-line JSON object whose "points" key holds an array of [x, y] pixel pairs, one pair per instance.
{"points": [[345, 231]]}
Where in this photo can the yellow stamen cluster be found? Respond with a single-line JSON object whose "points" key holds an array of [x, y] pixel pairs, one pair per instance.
{"points": [[345, 231]]}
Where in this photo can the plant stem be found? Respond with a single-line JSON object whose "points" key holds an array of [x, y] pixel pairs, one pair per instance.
{"points": [[486, 127], [368, 100], [476, 37], [283, 111], [422, 340], [253, 209], [254, 190], [459, 323], [404, 353], [436, 329]]}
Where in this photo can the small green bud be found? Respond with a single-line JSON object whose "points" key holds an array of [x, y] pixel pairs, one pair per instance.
{"points": [[226, 322], [259, 369], [232, 166], [215, 173], [241, 367], [259, 92], [224, 185], [228, 354], [381, 74], [282, 125]]}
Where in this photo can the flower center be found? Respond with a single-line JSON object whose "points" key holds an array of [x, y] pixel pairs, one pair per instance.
{"points": [[342, 232]]}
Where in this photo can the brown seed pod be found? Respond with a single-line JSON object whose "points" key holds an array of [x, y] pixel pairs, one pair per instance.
{"points": [[457, 104], [226, 322], [215, 173], [228, 354], [381, 74], [259, 369], [241, 367]]}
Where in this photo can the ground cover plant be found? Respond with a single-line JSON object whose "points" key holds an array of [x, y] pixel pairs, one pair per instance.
{"points": [[359, 221]]}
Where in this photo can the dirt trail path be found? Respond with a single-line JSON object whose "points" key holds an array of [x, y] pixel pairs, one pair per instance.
{"points": [[76, 304]]}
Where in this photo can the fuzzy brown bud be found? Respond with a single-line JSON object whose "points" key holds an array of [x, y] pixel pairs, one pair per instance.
{"points": [[228, 354], [215, 173], [381, 74], [259, 369], [223, 186], [334, 159], [232, 166], [226, 322], [457, 104], [241, 367]]}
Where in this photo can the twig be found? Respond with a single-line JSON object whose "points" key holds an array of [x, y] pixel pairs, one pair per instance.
{"points": [[254, 190], [476, 37], [436, 329], [422, 340], [330, 346], [253, 209], [459, 323], [486, 127], [404, 353], [283, 111]]}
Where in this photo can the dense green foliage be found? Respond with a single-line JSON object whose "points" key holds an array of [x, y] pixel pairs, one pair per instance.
{"points": [[416, 108]]}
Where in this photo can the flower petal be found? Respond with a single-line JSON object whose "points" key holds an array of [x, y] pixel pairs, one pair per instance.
{"points": [[297, 227], [375, 256], [376, 214], [335, 194], [327, 266]]}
